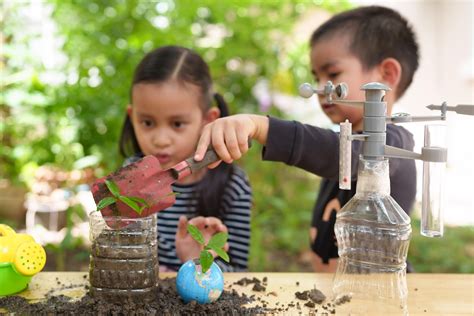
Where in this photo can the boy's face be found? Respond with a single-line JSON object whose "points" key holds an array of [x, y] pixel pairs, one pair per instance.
{"points": [[332, 60]]}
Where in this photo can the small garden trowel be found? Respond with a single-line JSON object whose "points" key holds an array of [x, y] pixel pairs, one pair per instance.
{"points": [[145, 179]]}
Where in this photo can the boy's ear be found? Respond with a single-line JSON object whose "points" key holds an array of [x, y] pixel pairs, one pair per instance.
{"points": [[212, 114], [391, 72]]}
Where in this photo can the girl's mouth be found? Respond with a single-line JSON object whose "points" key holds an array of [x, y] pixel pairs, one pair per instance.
{"points": [[163, 158]]}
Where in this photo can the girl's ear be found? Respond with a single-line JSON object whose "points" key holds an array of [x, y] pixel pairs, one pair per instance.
{"points": [[391, 72], [212, 114], [129, 111]]}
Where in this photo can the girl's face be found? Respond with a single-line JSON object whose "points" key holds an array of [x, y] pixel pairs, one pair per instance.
{"points": [[167, 120], [332, 60]]}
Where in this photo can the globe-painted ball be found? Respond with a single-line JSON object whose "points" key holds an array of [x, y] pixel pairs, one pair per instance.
{"points": [[193, 285]]}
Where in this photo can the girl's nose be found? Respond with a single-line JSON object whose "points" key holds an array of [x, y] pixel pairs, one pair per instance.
{"points": [[161, 139]]}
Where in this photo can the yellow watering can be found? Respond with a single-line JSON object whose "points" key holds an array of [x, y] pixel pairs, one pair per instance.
{"points": [[20, 258]]}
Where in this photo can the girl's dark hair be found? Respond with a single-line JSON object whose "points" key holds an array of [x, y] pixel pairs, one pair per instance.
{"points": [[375, 33], [185, 66]]}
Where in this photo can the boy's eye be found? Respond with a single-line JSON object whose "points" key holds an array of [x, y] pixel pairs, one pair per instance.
{"points": [[178, 124], [333, 75]]}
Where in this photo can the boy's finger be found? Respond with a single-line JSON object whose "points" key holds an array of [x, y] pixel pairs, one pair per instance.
{"points": [[232, 143], [218, 143], [214, 164], [243, 141], [203, 143], [182, 227]]}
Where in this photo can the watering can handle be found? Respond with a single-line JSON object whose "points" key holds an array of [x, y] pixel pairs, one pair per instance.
{"points": [[6, 230]]}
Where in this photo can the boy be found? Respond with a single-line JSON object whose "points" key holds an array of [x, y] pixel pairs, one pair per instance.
{"points": [[363, 45]]}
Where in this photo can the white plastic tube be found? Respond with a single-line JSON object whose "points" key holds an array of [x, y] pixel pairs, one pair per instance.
{"points": [[433, 185], [345, 148]]}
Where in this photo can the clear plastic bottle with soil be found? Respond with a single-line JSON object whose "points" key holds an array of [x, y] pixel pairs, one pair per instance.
{"points": [[373, 234], [124, 257]]}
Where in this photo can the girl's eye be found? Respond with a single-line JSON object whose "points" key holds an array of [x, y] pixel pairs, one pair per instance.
{"points": [[333, 75], [147, 123]]}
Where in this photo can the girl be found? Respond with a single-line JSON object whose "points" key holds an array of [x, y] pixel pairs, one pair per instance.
{"points": [[171, 101]]}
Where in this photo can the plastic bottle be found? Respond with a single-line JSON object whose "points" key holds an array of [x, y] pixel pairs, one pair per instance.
{"points": [[124, 257], [373, 234]]}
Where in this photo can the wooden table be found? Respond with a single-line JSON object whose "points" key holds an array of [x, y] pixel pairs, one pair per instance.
{"points": [[429, 294]]}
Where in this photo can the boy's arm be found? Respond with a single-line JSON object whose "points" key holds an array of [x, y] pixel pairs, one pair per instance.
{"points": [[317, 150], [399, 137], [311, 148]]}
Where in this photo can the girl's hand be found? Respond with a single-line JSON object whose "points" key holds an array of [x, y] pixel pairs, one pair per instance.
{"points": [[229, 136], [186, 247]]}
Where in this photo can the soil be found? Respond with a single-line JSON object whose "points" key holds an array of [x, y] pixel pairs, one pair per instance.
{"points": [[314, 295], [166, 301], [314, 298], [124, 263]]}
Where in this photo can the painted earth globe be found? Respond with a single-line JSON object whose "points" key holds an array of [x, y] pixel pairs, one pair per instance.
{"points": [[193, 285]]}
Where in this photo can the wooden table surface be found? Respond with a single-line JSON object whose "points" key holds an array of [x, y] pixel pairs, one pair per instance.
{"points": [[428, 294]]}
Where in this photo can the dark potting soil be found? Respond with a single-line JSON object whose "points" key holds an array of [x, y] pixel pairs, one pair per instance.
{"points": [[166, 302], [124, 262], [314, 298], [314, 295]]}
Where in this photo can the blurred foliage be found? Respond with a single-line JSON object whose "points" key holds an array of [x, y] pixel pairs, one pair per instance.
{"points": [[453, 253], [69, 112], [67, 108]]}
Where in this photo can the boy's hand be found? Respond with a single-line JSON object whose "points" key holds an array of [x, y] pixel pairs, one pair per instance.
{"points": [[229, 136], [186, 247]]}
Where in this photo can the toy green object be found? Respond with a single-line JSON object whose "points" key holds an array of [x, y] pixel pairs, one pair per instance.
{"points": [[20, 258]]}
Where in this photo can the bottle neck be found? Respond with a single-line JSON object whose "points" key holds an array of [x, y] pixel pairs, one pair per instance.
{"points": [[373, 177]]}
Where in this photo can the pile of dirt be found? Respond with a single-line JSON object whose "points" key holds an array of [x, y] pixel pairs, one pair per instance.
{"points": [[315, 300], [258, 286], [165, 302]]}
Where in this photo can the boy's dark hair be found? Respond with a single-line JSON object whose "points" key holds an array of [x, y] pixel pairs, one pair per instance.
{"points": [[376, 33], [187, 67]]}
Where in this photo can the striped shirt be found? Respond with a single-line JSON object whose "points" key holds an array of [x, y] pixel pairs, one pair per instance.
{"points": [[236, 204], [237, 201]]}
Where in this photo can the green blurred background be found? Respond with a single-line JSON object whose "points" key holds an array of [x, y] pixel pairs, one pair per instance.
{"points": [[63, 103]]}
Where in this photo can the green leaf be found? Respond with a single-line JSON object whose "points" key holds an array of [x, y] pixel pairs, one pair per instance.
{"points": [[132, 204], [196, 234], [139, 201], [218, 240], [106, 202], [113, 188], [221, 253], [206, 260]]}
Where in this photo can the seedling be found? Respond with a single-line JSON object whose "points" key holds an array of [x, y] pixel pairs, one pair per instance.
{"points": [[216, 243], [135, 203]]}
